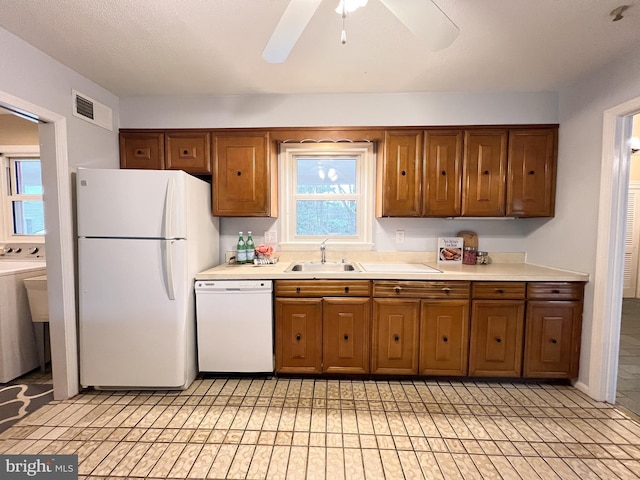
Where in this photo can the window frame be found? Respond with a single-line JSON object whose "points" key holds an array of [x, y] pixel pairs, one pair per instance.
{"points": [[365, 155], [7, 176]]}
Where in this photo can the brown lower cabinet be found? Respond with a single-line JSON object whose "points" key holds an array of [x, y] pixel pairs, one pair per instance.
{"points": [[444, 337], [452, 328], [496, 338], [395, 336], [316, 333]]}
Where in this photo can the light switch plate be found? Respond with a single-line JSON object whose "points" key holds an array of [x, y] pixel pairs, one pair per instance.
{"points": [[271, 237]]}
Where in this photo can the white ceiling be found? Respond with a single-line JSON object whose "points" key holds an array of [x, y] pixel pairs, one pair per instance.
{"points": [[184, 47]]}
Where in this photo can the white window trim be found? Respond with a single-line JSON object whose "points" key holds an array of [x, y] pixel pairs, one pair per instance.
{"points": [[364, 153], [8, 152]]}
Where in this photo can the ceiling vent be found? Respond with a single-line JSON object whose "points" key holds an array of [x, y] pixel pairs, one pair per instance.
{"points": [[94, 112]]}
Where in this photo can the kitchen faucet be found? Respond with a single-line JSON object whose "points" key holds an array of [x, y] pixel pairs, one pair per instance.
{"points": [[323, 251]]}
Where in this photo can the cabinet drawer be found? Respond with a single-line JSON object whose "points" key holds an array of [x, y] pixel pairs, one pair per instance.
{"points": [[495, 290], [555, 290], [323, 288], [418, 289]]}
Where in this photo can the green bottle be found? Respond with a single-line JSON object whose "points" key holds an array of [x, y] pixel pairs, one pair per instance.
{"points": [[251, 252], [241, 253]]}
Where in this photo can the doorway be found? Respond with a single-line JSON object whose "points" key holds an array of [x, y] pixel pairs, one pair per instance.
{"points": [[628, 378], [59, 241]]}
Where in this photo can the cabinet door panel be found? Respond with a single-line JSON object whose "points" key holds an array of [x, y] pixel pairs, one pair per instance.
{"points": [[531, 172], [402, 174], [444, 337], [142, 150], [395, 336], [484, 174], [443, 172], [552, 345], [299, 335], [189, 151], [346, 335], [241, 175], [497, 329]]}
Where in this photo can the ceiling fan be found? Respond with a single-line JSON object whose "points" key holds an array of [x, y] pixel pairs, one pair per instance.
{"points": [[422, 17]]}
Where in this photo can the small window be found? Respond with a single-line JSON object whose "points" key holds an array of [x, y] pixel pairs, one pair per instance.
{"points": [[327, 192], [24, 206]]}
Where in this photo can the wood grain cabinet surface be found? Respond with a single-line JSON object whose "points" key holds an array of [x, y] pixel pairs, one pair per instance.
{"points": [[442, 180], [242, 175], [323, 326], [189, 151], [553, 330], [396, 323], [402, 173], [142, 150]]}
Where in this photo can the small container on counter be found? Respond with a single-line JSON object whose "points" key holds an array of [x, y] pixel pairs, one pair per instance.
{"points": [[469, 256], [482, 258]]}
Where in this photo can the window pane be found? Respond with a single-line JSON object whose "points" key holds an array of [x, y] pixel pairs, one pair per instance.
{"points": [[332, 176], [28, 218], [323, 217], [28, 177]]}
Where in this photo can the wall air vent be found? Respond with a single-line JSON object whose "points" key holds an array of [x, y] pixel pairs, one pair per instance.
{"points": [[94, 112]]}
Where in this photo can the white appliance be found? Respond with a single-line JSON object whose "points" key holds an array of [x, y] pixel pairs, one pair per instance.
{"points": [[235, 326], [142, 237]]}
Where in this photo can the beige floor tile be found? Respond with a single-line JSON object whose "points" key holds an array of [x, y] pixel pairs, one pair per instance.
{"points": [[316, 463], [222, 462], [167, 460], [297, 466], [115, 456]]}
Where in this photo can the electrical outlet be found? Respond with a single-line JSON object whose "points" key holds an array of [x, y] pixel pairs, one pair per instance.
{"points": [[399, 236], [271, 237]]}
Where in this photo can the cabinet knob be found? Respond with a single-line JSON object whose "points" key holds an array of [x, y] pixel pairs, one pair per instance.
{"points": [[446, 290], [555, 291], [297, 289], [499, 291], [445, 339], [346, 289], [403, 173], [239, 173], [498, 340], [138, 152], [532, 172], [397, 289], [443, 173], [396, 337], [486, 172], [298, 337], [185, 152], [346, 337], [554, 341]]}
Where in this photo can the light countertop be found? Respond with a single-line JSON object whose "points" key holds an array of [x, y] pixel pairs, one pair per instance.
{"points": [[510, 271]]}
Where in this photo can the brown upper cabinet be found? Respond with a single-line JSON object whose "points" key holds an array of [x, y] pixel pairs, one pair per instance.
{"points": [[476, 172], [531, 172], [244, 175], [485, 167], [142, 150], [402, 173], [188, 150]]}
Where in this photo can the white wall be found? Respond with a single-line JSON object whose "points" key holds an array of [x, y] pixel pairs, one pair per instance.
{"points": [[569, 240], [36, 83], [357, 110]]}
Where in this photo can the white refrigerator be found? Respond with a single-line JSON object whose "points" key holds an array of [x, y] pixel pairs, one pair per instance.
{"points": [[142, 237]]}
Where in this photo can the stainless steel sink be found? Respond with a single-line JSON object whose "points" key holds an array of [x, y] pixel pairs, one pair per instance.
{"points": [[327, 267]]}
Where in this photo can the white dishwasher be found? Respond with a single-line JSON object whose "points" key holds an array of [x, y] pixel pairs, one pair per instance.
{"points": [[234, 326]]}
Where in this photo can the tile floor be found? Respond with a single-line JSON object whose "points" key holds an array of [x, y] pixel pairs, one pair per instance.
{"points": [[628, 390], [294, 428]]}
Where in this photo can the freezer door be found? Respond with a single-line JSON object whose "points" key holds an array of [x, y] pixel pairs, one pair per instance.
{"points": [[131, 203], [136, 327]]}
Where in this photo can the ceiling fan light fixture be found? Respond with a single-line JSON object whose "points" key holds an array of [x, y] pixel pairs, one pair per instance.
{"points": [[348, 6]]}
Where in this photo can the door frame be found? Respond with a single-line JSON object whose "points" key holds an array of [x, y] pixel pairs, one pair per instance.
{"points": [[609, 267], [59, 240]]}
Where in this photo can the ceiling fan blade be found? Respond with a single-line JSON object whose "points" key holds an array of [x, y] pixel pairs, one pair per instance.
{"points": [[291, 25], [426, 21]]}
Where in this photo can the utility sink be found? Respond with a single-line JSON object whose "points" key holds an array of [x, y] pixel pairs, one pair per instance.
{"points": [[319, 267]]}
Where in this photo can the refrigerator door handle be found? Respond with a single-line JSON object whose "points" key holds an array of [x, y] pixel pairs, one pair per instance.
{"points": [[167, 221], [168, 268]]}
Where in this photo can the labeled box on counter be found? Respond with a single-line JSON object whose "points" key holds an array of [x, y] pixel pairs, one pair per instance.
{"points": [[450, 249]]}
